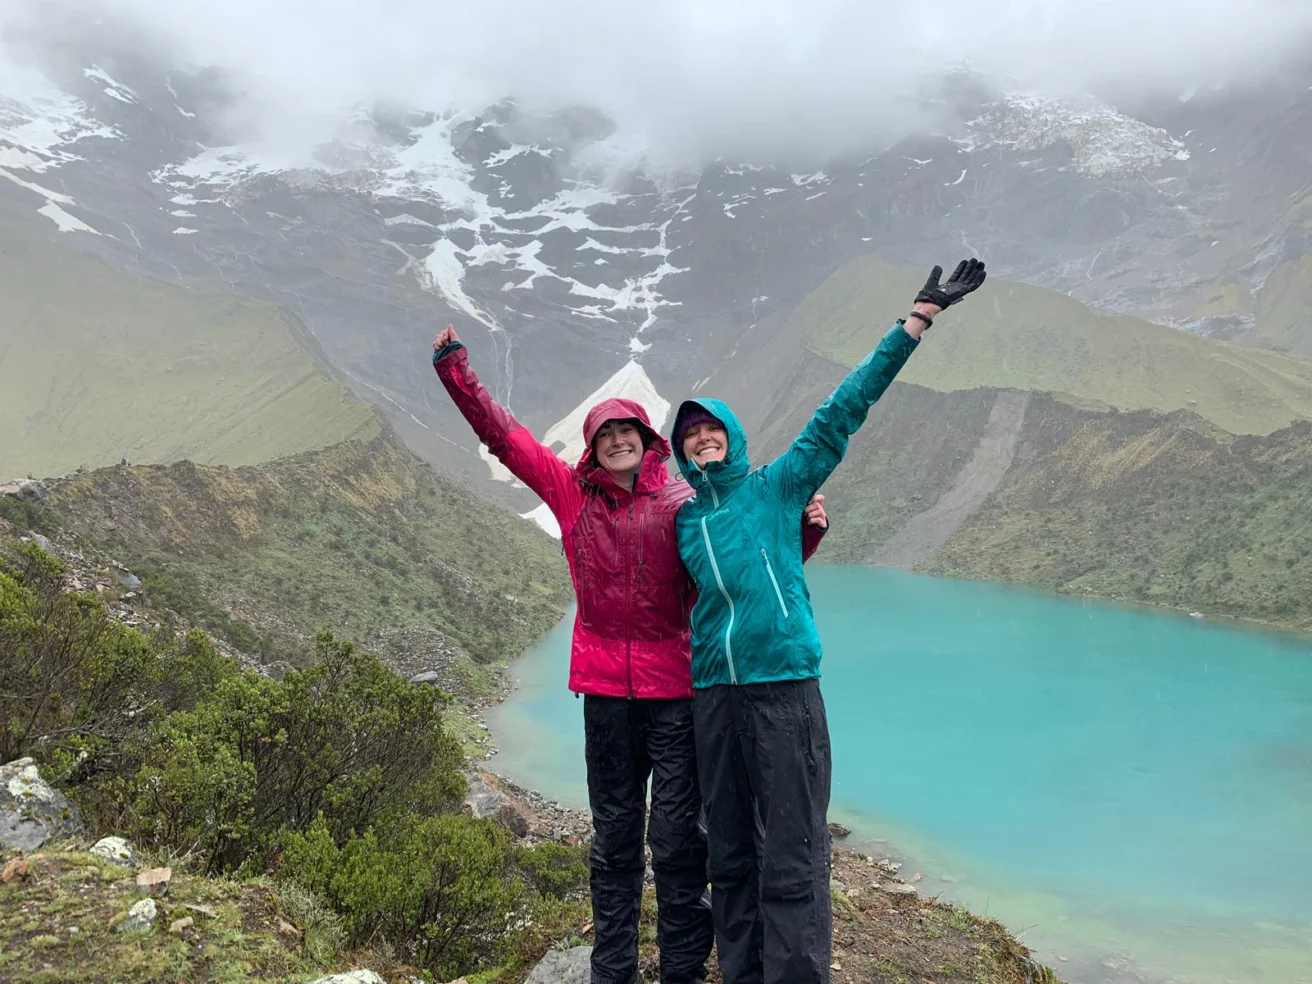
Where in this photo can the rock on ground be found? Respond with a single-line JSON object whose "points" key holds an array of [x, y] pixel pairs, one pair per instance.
{"points": [[31, 810], [115, 849], [514, 818], [487, 799], [15, 870], [154, 880], [497, 798], [141, 916], [572, 966], [353, 977], [24, 489]]}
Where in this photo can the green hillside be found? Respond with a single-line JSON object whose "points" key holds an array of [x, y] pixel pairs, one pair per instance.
{"points": [[360, 538], [96, 366], [1018, 336], [1148, 508], [1138, 506]]}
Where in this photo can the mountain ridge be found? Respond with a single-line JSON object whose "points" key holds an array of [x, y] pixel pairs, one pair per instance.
{"points": [[569, 268], [1023, 337], [565, 258]]}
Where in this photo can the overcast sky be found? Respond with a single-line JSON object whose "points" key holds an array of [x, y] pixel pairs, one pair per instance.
{"points": [[718, 75]]}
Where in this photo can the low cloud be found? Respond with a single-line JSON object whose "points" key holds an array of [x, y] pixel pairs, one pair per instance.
{"points": [[696, 78]]}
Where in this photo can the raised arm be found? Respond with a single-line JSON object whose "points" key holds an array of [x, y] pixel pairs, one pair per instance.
{"points": [[511, 442], [821, 445]]}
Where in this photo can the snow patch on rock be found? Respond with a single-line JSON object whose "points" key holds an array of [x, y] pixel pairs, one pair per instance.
{"points": [[631, 382], [543, 516], [65, 221], [1102, 140]]}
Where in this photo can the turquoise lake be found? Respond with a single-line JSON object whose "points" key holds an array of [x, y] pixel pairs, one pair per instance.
{"points": [[1130, 791]]}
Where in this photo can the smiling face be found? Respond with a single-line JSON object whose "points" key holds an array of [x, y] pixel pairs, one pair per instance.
{"points": [[705, 441], [618, 448]]}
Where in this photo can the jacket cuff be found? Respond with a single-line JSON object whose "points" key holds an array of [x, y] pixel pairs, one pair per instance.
{"points": [[898, 334], [442, 353]]}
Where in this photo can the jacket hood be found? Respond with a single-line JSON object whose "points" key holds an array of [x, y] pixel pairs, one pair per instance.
{"points": [[722, 474], [658, 449]]}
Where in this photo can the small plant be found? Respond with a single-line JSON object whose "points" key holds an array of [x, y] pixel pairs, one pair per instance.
{"points": [[323, 930]]}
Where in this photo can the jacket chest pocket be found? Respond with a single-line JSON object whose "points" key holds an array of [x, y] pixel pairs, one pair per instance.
{"points": [[774, 583], [656, 547], [600, 543]]}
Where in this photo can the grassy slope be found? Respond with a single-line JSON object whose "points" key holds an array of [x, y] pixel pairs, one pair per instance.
{"points": [[1163, 509], [234, 937], [360, 538], [1014, 335], [1146, 508], [96, 366], [252, 930]]}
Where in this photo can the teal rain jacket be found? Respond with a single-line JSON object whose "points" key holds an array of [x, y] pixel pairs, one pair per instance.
{"points": [[741, 542]]}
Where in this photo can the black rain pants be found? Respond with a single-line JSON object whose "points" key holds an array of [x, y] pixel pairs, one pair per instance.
{"points": [[628, 742], [763, 756]]}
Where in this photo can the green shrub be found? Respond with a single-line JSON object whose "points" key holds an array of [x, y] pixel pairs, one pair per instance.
{"points": [[74, 684], [29, 515], [348, 739], [342, 777], [443, 890], [555, 871]]}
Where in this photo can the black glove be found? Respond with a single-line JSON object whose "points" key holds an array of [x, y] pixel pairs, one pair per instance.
{"points": [[968, 275]]}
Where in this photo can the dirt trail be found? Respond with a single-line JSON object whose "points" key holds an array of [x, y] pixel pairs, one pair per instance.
{"points": [[925, 532]]}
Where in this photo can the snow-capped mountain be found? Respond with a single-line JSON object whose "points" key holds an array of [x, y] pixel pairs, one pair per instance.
{"points": [[572, 267]]}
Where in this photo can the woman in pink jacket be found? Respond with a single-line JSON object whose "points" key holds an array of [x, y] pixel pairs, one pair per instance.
{"points": [[630, 659]]}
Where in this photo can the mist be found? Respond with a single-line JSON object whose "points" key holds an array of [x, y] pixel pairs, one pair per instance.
{"points": [[692, 79]]}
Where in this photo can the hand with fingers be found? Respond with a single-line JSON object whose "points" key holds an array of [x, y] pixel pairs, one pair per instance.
{"points": [[815, 512], [935, 296], [445, 337]]}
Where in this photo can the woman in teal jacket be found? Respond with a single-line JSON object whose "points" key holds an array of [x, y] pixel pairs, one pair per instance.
{"points": [[761, 733]]}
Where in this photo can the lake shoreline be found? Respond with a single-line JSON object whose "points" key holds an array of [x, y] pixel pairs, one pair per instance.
{"points": [[1299, 630], [1173, 698]]}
